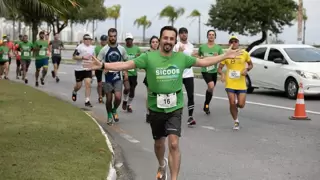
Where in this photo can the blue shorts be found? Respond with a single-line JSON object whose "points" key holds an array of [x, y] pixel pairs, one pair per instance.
{"points": [[236, 91], [42, 63]]}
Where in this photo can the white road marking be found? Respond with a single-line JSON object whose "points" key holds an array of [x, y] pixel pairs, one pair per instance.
{"points": [[261, 104], [64, 94], [129, 138], [209, 127]]}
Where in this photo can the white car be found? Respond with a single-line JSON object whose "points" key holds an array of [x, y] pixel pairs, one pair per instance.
{"points": [[283, 67]]}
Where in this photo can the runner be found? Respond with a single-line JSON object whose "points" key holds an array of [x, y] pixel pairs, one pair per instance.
{"points": [[83, 52], [98, 73], [113, 82], [25, 48], [10, 45], [132, 52], [186, 47], [18, 57], [154, 46], [40, 48], [55, 47], [165, 98], [235, 79], [209, 74], [4, 59]]}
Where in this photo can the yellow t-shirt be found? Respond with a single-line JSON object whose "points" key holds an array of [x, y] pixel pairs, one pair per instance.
{"points": [[234, 79]]}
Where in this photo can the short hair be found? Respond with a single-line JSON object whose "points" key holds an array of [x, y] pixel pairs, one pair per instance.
{"points": [[211, 30], [111, 30], [168, 28]]}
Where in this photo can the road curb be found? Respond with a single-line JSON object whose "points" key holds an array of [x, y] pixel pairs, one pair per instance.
{"points": [[112, 174]]}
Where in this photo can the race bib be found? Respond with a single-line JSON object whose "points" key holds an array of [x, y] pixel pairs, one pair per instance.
{"points": [[42, 53], [26, 53], [5, 57], [211, 67], [165, 101], [234, 74], [19, 53], [56, 51]]}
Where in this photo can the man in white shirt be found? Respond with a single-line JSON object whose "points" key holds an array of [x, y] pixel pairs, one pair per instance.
{"points": [[82, 53], [187, 48]]}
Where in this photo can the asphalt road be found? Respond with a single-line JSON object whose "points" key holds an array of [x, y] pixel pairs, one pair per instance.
{"points": [[268, 145]]}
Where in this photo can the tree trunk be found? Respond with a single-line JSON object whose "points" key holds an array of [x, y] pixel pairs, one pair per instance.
{"points": [[304, 32], [93, 29], [143, 34], [255, 43], [172, 23], [71, 30], [19, 27], [199, 40], [14, 30], [34, 31], [115, 23]]}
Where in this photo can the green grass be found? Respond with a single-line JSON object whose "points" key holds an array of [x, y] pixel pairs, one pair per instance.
{"points": [[43, 138]]}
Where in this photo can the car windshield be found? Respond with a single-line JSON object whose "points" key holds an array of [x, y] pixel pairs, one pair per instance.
{"points": [[303, 54]]}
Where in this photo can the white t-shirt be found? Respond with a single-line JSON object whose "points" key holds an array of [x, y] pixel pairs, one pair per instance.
{"points": [[188, 51], [83, 50]]}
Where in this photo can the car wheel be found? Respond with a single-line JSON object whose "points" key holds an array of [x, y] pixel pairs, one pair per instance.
{"points": [[291, 88], [249, 86]]}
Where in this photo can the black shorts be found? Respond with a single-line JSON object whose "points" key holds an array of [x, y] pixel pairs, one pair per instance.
{"points": [[56, 60], [81, 75], [145, 81], [133, 81], [26, 63], [98, 74], [164, 124], [18, 63], [210, 77], [3, 62], [9, 60]]}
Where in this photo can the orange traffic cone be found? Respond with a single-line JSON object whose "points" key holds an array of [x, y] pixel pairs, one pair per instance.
{"points": [[300, 109]]}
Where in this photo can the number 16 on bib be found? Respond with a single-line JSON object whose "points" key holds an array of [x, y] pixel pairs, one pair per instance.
{"points": [[165, 101]]}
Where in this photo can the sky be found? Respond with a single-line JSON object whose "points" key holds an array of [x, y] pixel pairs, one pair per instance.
{"points": [[132, 10]]}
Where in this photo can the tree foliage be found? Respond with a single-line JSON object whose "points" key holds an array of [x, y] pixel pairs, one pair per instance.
{"points": [[144, 23], [113, 13], [171, 13], [250, 17]]}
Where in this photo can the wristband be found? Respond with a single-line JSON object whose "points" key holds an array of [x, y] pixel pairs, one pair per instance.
{"points": [[102, 67]]}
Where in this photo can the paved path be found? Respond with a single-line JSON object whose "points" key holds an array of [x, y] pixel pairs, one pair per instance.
{"points": [[268, 146]]}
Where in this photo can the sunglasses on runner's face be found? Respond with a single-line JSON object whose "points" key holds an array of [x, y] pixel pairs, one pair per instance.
{"points": [[233, 41], [86, 39]]}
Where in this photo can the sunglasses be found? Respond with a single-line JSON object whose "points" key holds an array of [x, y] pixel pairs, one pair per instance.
{"points": [[87, 39], [234, 41]]}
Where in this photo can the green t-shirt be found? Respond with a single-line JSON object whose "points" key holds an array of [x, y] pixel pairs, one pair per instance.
{"points": [[206, 51], [132, 53], [97, 50], [164, 76], [4, 56], [26, 50], [42, 52]]}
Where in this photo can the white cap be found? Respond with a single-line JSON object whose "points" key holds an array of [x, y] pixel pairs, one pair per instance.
{"points": [[129, 36]]}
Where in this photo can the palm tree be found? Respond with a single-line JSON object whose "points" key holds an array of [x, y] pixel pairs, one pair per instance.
{"points": [[171, 13], [145, 23], [113, 12], [196, 14]]}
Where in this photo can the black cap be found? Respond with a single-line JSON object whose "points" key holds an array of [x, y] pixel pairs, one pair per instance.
{"points": [[183, 30], [103, 38], [41, 32]]}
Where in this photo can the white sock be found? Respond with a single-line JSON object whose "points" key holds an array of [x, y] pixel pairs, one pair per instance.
{"points": [[87, 99], [130, 101], [237, 120], [125, 97]]}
